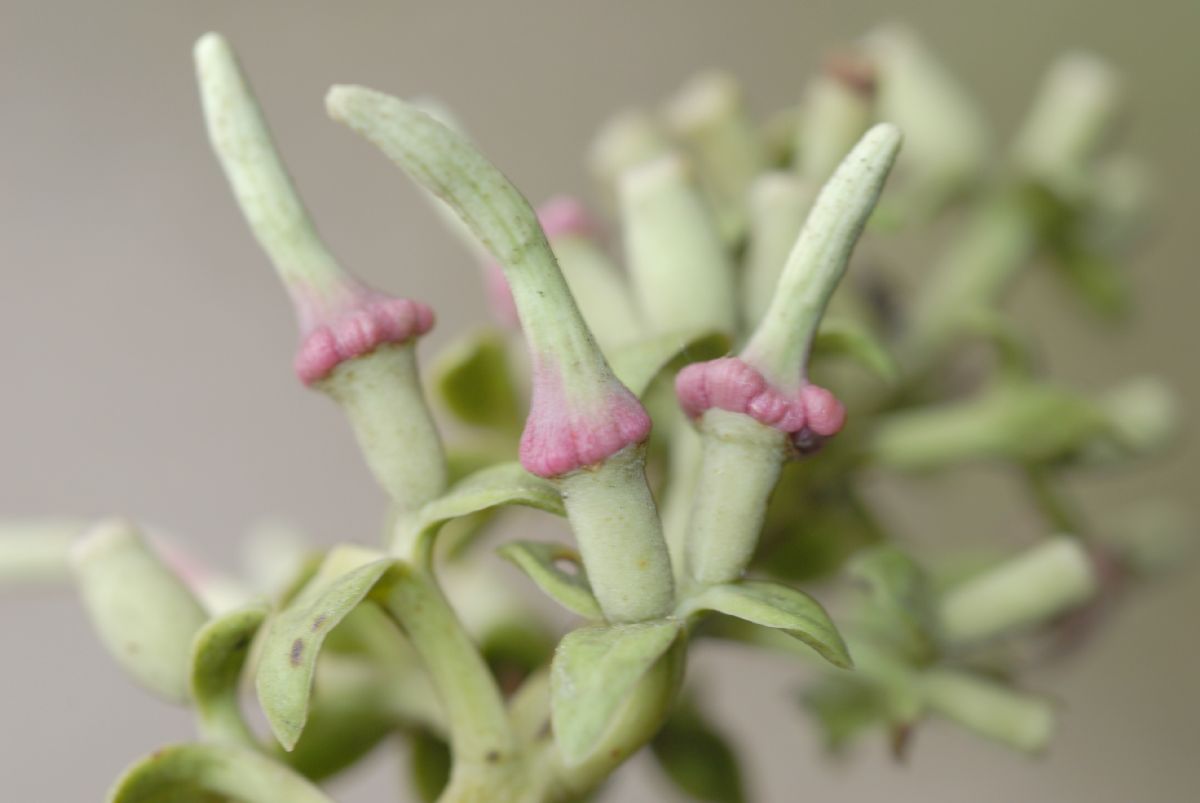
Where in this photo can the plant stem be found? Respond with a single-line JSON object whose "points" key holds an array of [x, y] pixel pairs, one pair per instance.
{"points": [[742, 461], [619, 534], [480, 734]]}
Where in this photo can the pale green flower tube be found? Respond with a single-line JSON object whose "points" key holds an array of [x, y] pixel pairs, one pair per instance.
{"points": [[145, 614], [757, 409], [682, 276], [1036, 585], [358, 345], [709, 117]]}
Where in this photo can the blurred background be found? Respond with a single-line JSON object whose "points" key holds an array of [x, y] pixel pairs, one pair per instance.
{"points": [[146, 345]]}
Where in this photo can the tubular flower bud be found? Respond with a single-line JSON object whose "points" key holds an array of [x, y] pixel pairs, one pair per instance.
{"points": [[342, 321], [581, 416], [838, 105], [755, 409]]}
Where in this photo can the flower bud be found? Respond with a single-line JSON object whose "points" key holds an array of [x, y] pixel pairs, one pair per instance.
{"points": [[682, 275], [1037, 584], [357, 345], [755, 409], [143, 612], [709, 117], [630, 138], [838, 105], [584, 427], [1072, 115], [946, 139]]}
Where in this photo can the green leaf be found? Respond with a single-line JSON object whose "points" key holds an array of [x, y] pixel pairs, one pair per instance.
{"points": [[218, 655], [350, 713], [144, 613], [473, 379], [429, 763], [205, 773], [505, 484], [296, 634], [844, 706], [776, 606], [901, 609], [541, 562], [637, 364], [698, 758], [844, 337], [594, 670]]}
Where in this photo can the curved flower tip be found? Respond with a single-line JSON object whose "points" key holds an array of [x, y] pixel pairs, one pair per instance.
{"points": [[561, 216], [563, 434], [356, 323], [809, 414]]}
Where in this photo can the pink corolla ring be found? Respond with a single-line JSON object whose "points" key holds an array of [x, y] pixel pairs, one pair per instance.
{"points": [[809, 415]]}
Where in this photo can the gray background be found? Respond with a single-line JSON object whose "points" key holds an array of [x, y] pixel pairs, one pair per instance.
{"points": [[146, 346]]}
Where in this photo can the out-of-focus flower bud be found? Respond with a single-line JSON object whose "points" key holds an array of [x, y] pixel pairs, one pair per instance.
{"points": [[358, 345], [143, 612], [682, 275]]}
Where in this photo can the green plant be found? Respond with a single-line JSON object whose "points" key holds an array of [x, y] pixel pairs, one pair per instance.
{"points": [[673, 420]]}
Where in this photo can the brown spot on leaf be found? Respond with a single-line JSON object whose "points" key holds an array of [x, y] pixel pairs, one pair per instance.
{"points": [[297, 651], [320, 620], [492, 757]]}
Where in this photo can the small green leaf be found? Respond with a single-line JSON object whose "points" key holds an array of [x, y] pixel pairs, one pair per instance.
{"points": [[541, 562], [901, 610], [349, 715], [698, 758], [144, 613], [296, 634], [839, 337], [594, 670], [429, 763], [473, 378], [779, 607], [218, 654], [1098, 281], [204, 773], [844, 706], [505, 484], [637, 364]]}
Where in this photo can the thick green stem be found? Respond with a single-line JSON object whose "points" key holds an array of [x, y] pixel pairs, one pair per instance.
{"points": [[480, 734], [620, 537], [741, 464], [381, 395], [687, 454]]}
